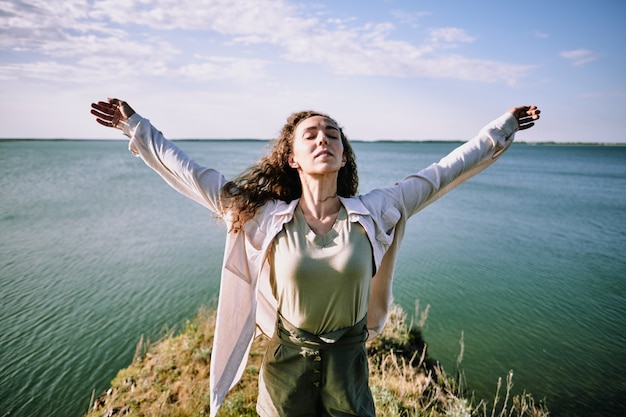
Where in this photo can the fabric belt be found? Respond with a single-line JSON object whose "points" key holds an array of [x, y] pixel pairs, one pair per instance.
{"points": [[288, 333]]}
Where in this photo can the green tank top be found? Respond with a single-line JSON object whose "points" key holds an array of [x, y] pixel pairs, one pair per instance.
{"points": [[322, 283]]}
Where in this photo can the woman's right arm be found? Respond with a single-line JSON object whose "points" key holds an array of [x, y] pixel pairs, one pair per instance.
{"points": [[199, 183]]}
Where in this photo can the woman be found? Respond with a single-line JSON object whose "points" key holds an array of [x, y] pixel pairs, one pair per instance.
{"points": [[307, 261]]}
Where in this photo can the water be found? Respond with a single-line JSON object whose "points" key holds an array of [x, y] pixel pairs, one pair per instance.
{"points": [[526, 261]]}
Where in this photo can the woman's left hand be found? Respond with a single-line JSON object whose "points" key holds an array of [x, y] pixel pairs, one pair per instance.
{"points": [[526, 116]]}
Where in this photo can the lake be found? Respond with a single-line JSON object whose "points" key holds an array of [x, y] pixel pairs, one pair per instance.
{"points": [[524, 262]]}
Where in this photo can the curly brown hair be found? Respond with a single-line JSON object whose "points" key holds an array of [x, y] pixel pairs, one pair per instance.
{"points": [[272, 178]]}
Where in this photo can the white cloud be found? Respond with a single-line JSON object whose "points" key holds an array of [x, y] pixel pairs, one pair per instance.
{"points": [[579, 56], [371, 51], [97, 36], [221, 68], [40, 70], [28, 25], [242, 17], [450, 36], [409, 18]]}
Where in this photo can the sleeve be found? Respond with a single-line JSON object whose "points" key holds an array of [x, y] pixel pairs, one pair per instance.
{"points": [[417, 191], [421, 189], [182, 173]]}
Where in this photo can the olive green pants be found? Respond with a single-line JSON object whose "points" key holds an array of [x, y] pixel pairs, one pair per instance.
{"points": [[304, 375]]}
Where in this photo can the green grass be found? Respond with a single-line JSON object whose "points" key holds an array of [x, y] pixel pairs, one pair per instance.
{"points": [[170, 378]]}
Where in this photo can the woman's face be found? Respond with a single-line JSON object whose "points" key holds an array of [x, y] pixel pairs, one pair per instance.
{"points": [[317, 147]]}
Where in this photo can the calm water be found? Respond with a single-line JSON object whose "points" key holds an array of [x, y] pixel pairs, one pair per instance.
{"points": [[526, 261]]}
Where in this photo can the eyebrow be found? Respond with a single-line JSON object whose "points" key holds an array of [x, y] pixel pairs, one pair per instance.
{"points": [[306, 129]]}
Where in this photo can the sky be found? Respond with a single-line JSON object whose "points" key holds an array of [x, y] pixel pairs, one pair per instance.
{"points": [[385, 70]]}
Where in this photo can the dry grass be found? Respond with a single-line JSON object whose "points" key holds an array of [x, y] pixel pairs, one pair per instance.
{"points": [[171, 378]]}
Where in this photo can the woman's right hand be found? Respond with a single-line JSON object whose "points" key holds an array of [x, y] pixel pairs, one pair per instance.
{"points": [[112, 113]]}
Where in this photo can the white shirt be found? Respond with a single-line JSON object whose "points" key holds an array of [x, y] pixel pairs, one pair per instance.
{"points": [[246, 304]]}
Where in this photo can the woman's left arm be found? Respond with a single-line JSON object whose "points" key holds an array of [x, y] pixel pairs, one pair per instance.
{"points": [[421, 189]]}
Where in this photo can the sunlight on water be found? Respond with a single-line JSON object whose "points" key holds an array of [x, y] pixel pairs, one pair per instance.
{"points": [[526, 260]]}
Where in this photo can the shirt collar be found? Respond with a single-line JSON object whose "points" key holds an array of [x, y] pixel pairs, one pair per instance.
{"points": [[353, 205], [286, 209]]}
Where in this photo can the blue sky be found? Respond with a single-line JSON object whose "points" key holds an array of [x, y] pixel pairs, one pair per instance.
{"points": [[385, 69]]}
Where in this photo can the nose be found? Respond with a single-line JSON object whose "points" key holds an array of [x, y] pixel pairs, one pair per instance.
{"points": [[322, 139]]}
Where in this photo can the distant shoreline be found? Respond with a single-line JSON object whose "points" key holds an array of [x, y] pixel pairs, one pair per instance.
{"points": [[547, 143]]}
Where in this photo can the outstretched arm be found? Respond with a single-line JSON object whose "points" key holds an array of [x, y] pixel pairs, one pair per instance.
{"points": [[429, 184], [112, 113], [199, 183]]}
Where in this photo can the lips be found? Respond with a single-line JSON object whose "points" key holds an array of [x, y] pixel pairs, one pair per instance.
{"points": [[323, 152]]}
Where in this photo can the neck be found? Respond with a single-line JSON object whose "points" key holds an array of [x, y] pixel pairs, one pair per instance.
{"points": [[327, 198], [319, 198]]}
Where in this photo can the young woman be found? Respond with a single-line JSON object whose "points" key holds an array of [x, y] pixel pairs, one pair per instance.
{"points": [[308, 261]]}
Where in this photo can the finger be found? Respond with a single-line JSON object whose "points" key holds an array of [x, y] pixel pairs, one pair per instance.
{"points": [[100, 115], [103, 107], [524, 126], [528, 118], [533, 111], [105, 104], [105, 123]]}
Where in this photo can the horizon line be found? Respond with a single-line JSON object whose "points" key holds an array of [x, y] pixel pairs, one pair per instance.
{"points": [[547, 142]]}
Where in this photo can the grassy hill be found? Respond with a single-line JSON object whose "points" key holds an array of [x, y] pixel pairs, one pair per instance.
{"points": [[170, 378]]}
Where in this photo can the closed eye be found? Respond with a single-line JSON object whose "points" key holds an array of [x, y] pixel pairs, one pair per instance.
{"points": [[332, 133]]}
